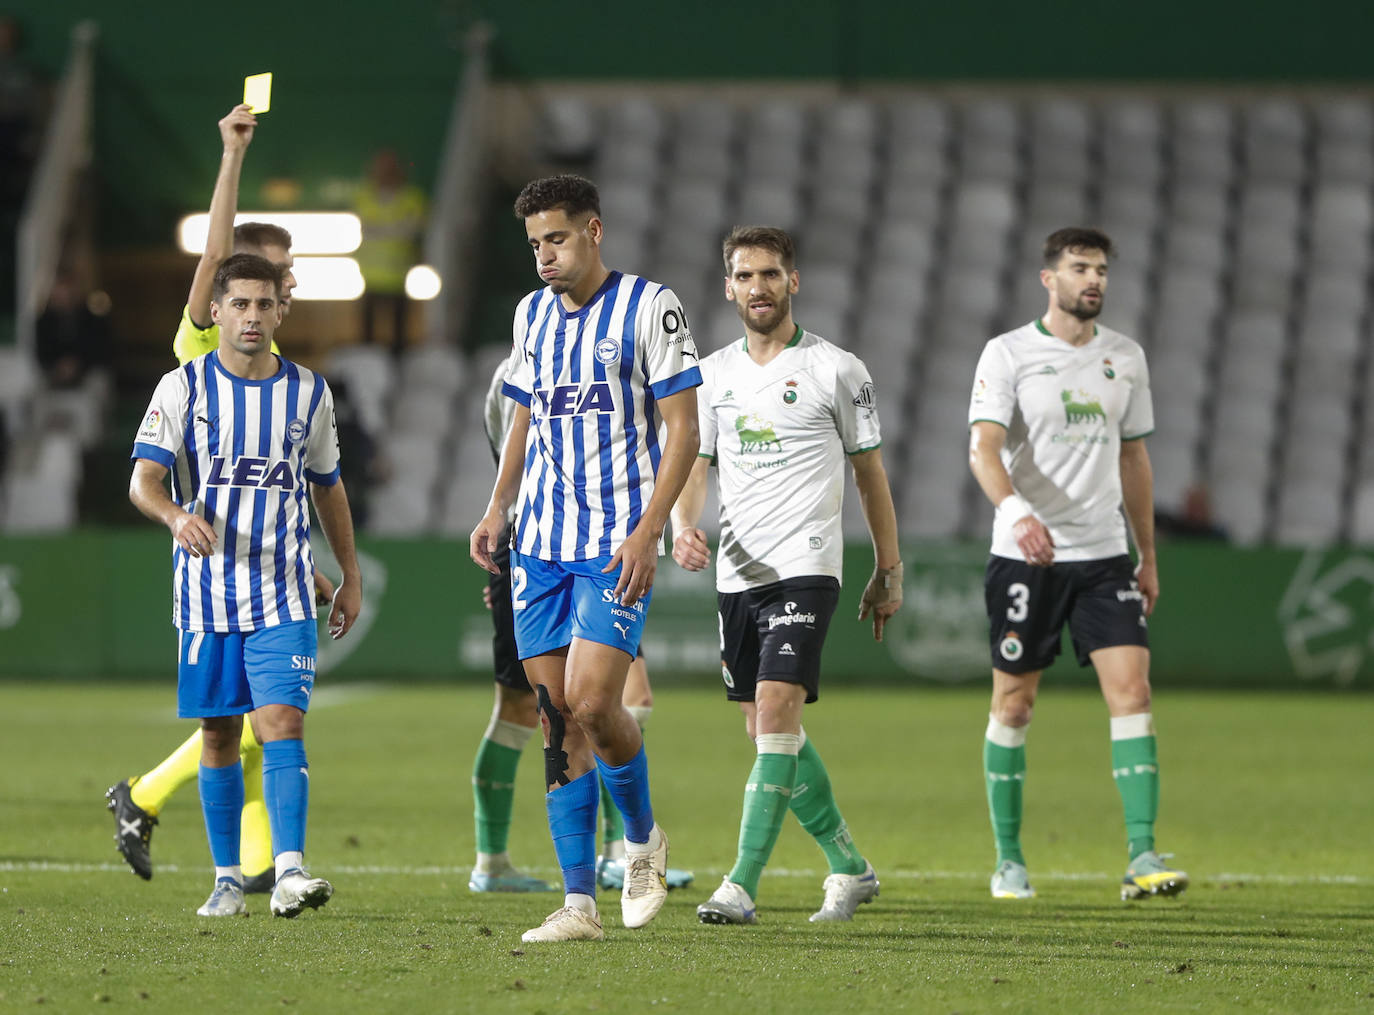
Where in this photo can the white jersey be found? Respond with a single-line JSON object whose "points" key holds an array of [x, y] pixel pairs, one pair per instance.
{"points": [[590, 379], [779, 434], [1066, 409], [498, 411], [240, 454]]}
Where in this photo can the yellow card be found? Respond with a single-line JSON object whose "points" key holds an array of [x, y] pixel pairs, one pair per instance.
{"points": [[257, 92]]}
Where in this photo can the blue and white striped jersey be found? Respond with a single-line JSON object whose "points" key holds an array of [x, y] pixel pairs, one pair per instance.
{"points": [[241, 454], [590, 380]]}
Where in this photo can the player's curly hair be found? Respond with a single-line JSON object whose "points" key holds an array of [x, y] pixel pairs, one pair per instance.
{"points": [[245, 266], [251, 237], [567, 192], [769, 238], [1075, 238]]}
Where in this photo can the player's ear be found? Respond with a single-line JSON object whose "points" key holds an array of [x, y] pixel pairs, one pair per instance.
{"points": [[214, 311], [794, 281], [729, 289], [595, 229]]}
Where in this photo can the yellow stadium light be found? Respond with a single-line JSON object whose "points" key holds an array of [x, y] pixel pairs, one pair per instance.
{"points": [[423, 283], [312, 232], [327, 278]]}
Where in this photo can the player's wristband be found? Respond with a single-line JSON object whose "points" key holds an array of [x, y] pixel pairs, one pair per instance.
{"points": [[1015, 508]]}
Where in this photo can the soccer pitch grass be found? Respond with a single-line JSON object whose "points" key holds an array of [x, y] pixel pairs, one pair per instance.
{"points": [[1266, 800]]}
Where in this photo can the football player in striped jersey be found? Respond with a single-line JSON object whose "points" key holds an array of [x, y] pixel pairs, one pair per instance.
{"points": [[606, 360], [245, 434]]}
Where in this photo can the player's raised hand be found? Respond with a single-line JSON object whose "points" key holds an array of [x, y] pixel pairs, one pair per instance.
{"points": [[484, 541], [236, 129], [1034, 541], [194, 534], [347, 604], [882, 597], [637, 559], [690, 550]]}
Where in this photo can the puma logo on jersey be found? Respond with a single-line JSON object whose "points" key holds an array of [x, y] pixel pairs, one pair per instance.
{"points": [[253, 473], [624, 629], [576, 399]]}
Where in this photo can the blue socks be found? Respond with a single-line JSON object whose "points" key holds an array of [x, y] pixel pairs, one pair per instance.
{"points": [[572, 821], [286, 791], [629, 788], [221, 800]]}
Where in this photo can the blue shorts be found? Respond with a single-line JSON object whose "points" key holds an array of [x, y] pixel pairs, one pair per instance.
{"points": [[230, 674], [555, 601]]}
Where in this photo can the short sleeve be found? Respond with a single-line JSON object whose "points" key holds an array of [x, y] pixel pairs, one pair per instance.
{"points": [[322, 444], [161, 435], [706, 417], [856, 406], [670, 354], [498, 409], [994, 387], [1139, 418], [191, 341], [519, 382]]}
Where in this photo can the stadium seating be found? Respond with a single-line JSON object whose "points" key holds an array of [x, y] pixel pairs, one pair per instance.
{"points": [[1243, 225]]}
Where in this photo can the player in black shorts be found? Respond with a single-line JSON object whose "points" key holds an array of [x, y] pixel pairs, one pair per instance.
{"points": [[781, 410], [1058, 419]]}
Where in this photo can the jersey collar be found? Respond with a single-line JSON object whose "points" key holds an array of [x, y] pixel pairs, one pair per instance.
{"points": [[796, 337], [612, 280], [1040, 325], [235, 378]]}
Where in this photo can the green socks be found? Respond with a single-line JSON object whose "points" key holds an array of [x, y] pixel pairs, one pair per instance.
{"points": [[813, 803], [493, 782], [766, 795], [613, 825], [1004, 766], [1135, 767]]}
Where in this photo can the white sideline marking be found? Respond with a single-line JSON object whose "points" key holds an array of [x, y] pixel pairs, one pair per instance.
{"points": [[1225, 877]]}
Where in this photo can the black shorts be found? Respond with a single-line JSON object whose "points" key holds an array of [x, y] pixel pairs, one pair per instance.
{"points": [[505, 658], [1028, 607], [775, 632]]}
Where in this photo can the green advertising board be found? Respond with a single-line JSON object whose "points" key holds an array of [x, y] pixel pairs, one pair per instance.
{"points": [[96, 604]]}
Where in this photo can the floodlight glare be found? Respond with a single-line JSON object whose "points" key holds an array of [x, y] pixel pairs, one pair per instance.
{"points": [[312, 232], [422, 282]]}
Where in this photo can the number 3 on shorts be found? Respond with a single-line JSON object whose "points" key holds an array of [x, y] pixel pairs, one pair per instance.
{"points": [[518, 580], [1019, 594]]}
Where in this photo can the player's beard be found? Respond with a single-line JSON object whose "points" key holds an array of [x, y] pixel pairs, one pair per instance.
{"points": [[1083, 311], [765, 325]]}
